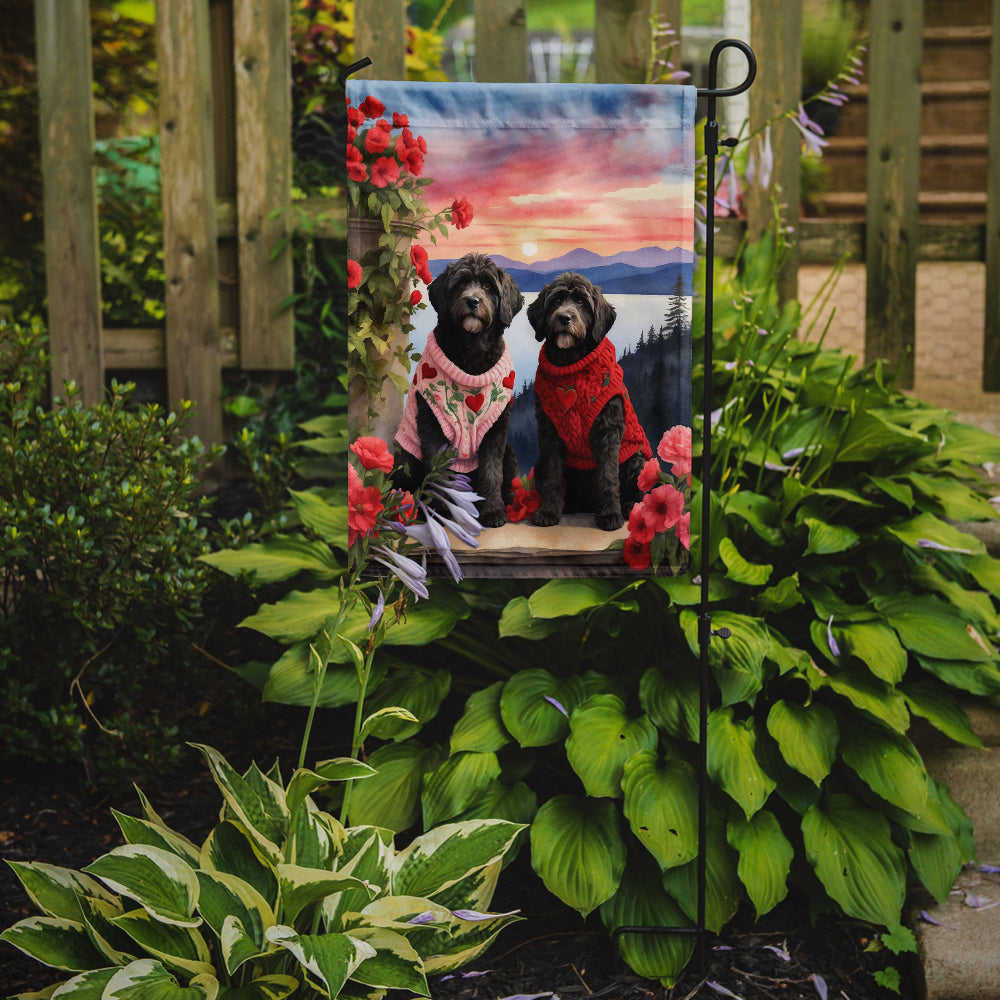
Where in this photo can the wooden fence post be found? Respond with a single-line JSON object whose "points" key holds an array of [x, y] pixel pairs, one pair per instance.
{"points": [[991, 332], [776, 35], [380, 34], [190, 250], [72, 255], [893, 183], [501, 41], [623, 37], [261, 57]]}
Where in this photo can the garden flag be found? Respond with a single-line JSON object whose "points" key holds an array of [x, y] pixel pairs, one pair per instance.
{"points": [[560, 218]]}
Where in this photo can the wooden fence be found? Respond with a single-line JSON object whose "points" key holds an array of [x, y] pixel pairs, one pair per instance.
{"points": [[226, 161]]}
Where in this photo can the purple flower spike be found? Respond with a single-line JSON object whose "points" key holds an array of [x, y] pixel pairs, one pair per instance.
{"points": [[427, 917], [820, 983], [834, 648], [552, 701]]}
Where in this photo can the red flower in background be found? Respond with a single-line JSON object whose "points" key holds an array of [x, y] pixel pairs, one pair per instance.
{"points": [[385, 171], [353, 273], [372, 107], [526, 499], [640, 528], [402, 507], [461, 213], [683, 529], [415, 297], [373, 453], [637, 554], [418, 255]]}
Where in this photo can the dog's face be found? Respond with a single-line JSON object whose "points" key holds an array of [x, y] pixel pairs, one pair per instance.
{"points": [[571, 314], [475, 295]]}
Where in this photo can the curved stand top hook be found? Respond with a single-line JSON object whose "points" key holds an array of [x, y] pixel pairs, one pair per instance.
{"points": [[348, 70], [713, 69]]}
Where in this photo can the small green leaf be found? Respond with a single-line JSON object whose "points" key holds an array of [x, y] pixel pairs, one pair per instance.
{"points": [[765, 858], [732, 760], [456, 784], [738, 569], [807, 736]]}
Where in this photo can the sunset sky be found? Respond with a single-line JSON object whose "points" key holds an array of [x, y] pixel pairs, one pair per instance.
{"points": [[552, 168]]}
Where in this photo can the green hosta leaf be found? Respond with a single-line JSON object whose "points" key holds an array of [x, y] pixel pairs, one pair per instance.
{"points": [[180, 948], [387, 723], [671, 700], [864, 691], [738, 569], [783, 595], [327, 520], [807, 736], [147, 979], [975, 605], [732, 760], [275, 987], [956, 500], [850, 848], [661, 798], [723, 889], [559, 598], [54, 941], [330, 959], [481, 728], [391, 798], [304, 782], [602, 738], [941, 709], [828, 539], [230, 849], [279, 558], [985, 569], [876, 646], [299, 615], [56, 891], [738, 661], [937, 859], [517, 620], [528, 710], [641, 901], [965, 443], [928, 528], [301, 887], [870, 436], [260, 806], [516, 803], [578, 851], [292, 681], [417, 690], [888, 763], [456, 784], [931, 628], [976, 678], [441, 857], [765, 858], [395, 964], [159, 881], [760, 512], [226, 898], [425, 622], [98, 916], [142, 831]]}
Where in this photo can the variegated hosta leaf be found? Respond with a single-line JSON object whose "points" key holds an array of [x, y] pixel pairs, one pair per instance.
{"points": [[642, 902], [807, 736], [116, 947], [765, 858], [300, 887], [578, 851], [274, 987], [366, 855], [141, 831], [395, 964], [256, 801], [54, 941], [147, 979], [158, 880], [230, 849], [328, 959], [850, 847], [481, 727], [177, 947], [602, 738], [56, 891], [315, 838], [86, 986], [535, 706], [661, 805], [467, 940], [304, 782], [224, 897], [888, 763], [441, 857], [456, 784], [476, 890], [732, 760]]}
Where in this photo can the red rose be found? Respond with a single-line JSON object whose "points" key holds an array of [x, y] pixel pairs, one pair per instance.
{"points": [[399, 121], [415, 297], [356, 169], [352, 133], [355, 117], [353, 273], [675, 448], [364, 506], [637, 554], [385, 171], [372, 107], [373, 452], [376, 140], [418, 256], [461, 213], [524, 503], [664, 507], [649, 476]]}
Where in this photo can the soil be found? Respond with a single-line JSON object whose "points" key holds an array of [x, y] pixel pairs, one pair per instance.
{"points": [[550, 953]]}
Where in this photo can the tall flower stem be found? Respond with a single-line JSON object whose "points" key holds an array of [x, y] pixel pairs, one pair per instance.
{"points": [[357, 736]]}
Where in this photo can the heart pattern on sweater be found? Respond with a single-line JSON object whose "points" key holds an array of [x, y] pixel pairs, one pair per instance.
{"points": [[475, 403], [428, 371], [567, 396], [508, 382]]}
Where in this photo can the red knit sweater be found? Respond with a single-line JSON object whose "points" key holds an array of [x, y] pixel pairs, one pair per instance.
{"points": [[573, 396]]}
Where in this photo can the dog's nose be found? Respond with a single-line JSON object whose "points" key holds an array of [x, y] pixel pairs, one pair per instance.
{"points": [[472, 301], [564, 318]]}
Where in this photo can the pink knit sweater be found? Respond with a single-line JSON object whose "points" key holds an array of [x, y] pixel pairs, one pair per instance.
{"points": [[466, 406]]}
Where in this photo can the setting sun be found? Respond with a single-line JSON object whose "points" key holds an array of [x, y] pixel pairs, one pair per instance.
{"points": [[529, 249]]}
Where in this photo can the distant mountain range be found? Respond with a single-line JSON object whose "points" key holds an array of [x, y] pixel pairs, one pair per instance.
{"points": [[649, 271]]}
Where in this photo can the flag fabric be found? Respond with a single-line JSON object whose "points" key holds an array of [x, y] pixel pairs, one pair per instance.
{"points": [[545, 180]]}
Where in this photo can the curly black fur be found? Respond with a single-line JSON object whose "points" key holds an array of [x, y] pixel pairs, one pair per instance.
{"points": [[572, 317]]}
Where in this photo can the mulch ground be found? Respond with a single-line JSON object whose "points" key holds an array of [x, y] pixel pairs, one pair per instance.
{"points": [[550, 953]]}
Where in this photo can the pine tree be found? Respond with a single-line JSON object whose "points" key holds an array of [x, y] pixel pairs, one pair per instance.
{"points": [[675, 317]]}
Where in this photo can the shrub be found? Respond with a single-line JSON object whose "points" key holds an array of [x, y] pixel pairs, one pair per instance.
{"points": [[99, 546]]}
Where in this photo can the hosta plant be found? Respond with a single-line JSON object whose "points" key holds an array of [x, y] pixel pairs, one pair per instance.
{"points": [[279, 900]]}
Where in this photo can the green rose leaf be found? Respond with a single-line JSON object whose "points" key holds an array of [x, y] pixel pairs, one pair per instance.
{"points": [[577, 850], [601, 740]]}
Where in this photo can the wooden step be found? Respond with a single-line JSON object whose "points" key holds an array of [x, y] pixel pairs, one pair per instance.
{"points": [[956, 206], [944, 12], [956, 53]]}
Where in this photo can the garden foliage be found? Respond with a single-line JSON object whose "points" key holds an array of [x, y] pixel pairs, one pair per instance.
{"points": [[280, 899], [99, 546], [855, 604]]}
